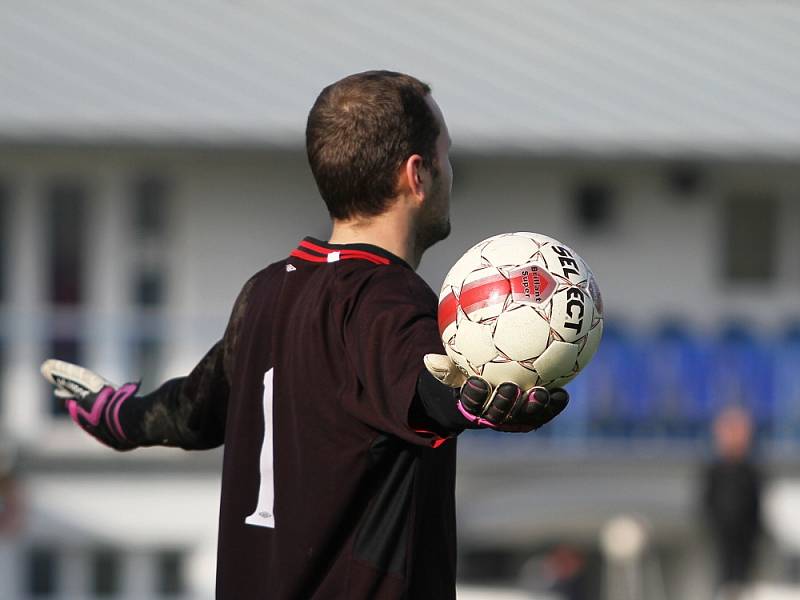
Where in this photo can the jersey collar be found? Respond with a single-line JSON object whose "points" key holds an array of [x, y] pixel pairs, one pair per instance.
{"points": [[313, 250]]}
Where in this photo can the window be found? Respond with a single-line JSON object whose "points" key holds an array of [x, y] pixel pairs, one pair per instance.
{"points": [[593, 205], [170, 573], [106, 571], [4, 250], [684, 180], [42, 572], [66, 235], [750, 238], [4, 255], [150, 199], [3, 345], [149, 210], [149, 214], [149, 288]]}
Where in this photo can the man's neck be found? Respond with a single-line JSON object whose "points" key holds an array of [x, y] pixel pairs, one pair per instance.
{"points": [[390, 231]]}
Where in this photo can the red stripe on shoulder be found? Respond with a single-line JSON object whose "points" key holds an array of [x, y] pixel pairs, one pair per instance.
{"points": [[316, 253], [297, 253], [314, 247], [379, 260]]}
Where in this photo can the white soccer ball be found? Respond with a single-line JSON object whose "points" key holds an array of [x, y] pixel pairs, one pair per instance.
{"points": [[521, 307]]}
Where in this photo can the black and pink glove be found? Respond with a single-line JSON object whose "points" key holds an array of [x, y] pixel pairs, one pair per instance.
{"points": [[504, 408], [508, 407], [93, 402]]}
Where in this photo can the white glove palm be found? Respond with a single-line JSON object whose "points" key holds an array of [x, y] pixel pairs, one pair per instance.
{"points": [[72, 381], [444, 369], [93, 402]]}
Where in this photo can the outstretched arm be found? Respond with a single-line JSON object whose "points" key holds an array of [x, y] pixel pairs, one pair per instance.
{"points": [[187, 412]]}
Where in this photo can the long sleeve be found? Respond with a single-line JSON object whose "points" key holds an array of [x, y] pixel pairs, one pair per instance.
{"points": [[187, 412]]}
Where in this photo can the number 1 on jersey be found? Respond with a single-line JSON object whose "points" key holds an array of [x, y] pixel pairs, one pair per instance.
{"points": [[263, 516]]}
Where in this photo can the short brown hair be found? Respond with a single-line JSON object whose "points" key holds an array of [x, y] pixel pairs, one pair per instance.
{"points": [[360, 131]]}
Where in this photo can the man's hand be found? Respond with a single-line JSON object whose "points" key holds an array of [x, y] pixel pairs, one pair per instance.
{"points": [[93, 402], [507, 407]]}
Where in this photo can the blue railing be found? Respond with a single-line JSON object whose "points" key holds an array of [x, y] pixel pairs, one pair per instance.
{"points": [[671, 382]]}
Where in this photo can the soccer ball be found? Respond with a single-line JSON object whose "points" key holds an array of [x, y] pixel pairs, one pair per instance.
{"points": [[521, 307]]}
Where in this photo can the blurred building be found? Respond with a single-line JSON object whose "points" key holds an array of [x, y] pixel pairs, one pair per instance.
{"points": [[151, 159]]}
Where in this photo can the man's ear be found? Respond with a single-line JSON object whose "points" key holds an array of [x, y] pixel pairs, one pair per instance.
{"points": [[413, 176]]}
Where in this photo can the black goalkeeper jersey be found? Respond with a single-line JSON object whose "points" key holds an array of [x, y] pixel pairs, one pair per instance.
{"points": [[328, 489]]}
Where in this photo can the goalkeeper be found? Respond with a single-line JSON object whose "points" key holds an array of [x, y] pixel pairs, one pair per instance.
{"points": [[339, 465]]}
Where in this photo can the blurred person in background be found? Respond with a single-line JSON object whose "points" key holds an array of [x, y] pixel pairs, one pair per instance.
{"points": [[10, 500], [11, 517], [732, 501], [567, 569], [339, 465], [564, 571]]}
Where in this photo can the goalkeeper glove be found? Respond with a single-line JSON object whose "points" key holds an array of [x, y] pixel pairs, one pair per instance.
{"points": [[93, 402], [505, 408]]}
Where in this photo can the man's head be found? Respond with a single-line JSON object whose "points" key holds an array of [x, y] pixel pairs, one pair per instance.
{"points": [[374, 136], [733, 433]]}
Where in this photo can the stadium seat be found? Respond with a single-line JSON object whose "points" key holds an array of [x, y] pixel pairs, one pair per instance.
{"points": [[675, 391], [608, 393], [786, 414]]}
